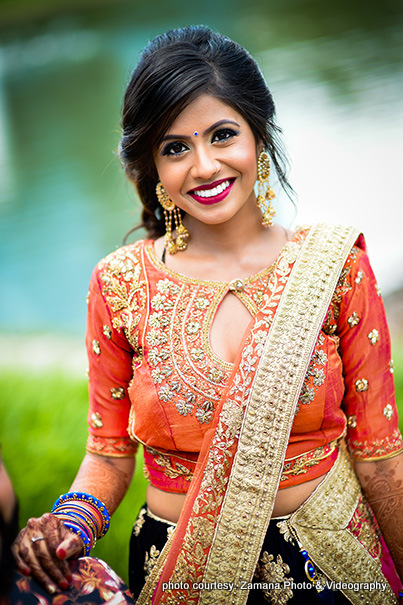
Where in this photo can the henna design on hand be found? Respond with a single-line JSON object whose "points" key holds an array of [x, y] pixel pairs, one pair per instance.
{"points": [[382, 482]]}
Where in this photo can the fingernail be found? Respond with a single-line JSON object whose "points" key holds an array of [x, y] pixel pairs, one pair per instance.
{"points": [[51, 589], [26, 571], [61, 553], [64, 584]]}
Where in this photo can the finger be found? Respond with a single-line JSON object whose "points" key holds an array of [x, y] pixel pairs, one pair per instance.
{"points": [[70, 547], [19, 561], [45, 569], [57, 534]]}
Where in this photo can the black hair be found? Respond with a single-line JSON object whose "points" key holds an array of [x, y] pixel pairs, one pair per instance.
{"points": [[174, 69]]}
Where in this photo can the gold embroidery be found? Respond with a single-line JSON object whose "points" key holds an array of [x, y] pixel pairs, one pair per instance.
{"points": [[373, 337], [365, 529], [391, 367], [352, 421], [377, 449], [96, 348], [173, 472], [87, 298], [151, 559], [96, 420], [139, 522], [124, 290], [388, 411], [361, 385], [107, 332], [275, 572], [354, 320], [111, 446], [378, 290], [301, 464], [320, 525], [315, 375], [359, 277], [118, 393]]}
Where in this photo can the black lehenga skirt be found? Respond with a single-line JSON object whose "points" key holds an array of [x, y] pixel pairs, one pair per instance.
{"points": [[281, 577]]}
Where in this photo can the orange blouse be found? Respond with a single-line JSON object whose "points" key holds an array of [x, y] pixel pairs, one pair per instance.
{"points": [[155, 379]]}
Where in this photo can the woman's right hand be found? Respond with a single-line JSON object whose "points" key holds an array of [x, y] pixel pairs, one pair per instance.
{"points": [[43, 549]]}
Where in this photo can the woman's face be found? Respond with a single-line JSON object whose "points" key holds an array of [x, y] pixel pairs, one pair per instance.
{"points": [[207, 161]]}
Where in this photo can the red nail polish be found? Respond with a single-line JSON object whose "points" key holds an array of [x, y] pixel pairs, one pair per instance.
{"points": [[61, 553], [64, 584]]}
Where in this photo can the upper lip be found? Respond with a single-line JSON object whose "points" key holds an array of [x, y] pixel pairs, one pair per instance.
{"points": [[211, 185]]}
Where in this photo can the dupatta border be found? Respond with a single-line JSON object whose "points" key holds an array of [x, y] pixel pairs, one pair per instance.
{"points": [[321, 525], [269, 415]]}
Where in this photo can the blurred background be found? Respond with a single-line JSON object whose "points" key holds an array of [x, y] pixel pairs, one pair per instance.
{"points": [[335, 70]]}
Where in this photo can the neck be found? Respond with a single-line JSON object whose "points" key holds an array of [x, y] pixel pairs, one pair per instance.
{"points": [[226, 239]]}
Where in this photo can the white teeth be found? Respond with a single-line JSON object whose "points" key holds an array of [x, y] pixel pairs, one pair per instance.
{"points": [[213, 192]]}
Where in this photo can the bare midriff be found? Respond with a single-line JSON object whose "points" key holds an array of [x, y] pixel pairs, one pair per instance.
{"points": [[168, 506]]}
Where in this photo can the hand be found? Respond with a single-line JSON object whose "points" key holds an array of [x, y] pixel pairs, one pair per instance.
{"points": [[42, 550]]}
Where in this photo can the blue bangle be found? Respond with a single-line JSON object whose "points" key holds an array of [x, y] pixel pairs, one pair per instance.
{"points": [[100, 506]]}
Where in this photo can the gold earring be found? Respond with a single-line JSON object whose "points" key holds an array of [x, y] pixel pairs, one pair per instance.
{"points": [[172, 244], [265, 193]]}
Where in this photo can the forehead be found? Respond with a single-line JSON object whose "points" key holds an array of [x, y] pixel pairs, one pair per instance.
{"points": [[201, 113]]}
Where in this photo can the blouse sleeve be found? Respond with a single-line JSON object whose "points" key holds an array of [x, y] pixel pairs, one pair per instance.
{"points": [[369, 399], [110, 371]]}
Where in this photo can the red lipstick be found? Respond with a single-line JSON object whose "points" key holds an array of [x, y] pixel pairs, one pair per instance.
{"points": [[214, 199]]}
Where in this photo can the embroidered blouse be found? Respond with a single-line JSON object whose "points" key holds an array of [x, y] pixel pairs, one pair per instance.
{"points": [[155, 380]]}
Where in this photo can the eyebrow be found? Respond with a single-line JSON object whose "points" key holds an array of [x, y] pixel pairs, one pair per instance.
{"points": [[169, 137]]}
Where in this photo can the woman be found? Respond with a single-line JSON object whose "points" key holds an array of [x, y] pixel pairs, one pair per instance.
{"points": [[240, 355]]}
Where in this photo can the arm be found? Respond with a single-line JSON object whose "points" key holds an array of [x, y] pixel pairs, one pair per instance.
{"points": [[382, 482], [46, 560]]}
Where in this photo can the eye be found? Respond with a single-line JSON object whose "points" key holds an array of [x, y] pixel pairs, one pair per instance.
{"points": [[175, 148], [224, 134]]}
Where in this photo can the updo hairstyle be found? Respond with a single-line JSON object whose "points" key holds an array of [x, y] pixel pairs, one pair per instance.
{"points": [[174, 69]]}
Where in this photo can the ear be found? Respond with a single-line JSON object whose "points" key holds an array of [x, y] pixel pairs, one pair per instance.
{"points": [[259, 148]]}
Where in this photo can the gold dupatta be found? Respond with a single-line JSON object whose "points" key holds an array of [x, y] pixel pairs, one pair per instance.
{"points": [[218, 538]]}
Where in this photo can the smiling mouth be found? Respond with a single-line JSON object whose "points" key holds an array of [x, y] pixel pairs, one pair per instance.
{"points": [[210, 195]]}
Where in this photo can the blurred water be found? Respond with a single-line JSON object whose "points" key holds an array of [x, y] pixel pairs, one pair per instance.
{"points": [[64, 203]]}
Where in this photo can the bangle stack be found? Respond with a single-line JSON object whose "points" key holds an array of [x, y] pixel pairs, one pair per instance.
{"points": [[84, 515]]}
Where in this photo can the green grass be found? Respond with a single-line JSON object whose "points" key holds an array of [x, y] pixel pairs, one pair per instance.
{"points": [[43, 433]]}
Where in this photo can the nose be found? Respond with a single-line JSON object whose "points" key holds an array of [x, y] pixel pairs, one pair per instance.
{"points": [[205, 165]]}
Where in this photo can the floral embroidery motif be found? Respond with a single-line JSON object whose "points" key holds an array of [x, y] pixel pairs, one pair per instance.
{"points": [[388, 411], [361, 385], [96, 420], [343, 286], [373, 337], [139, 522], [109, 446], [365, 528], [107, 332], [354, 320], [315, 375], [151, 559], [352, 421], [124, 290], [118, 393], [300, 465], [179, 470], [380, 448], [275, 572], [96, 347], [359, 277]]}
